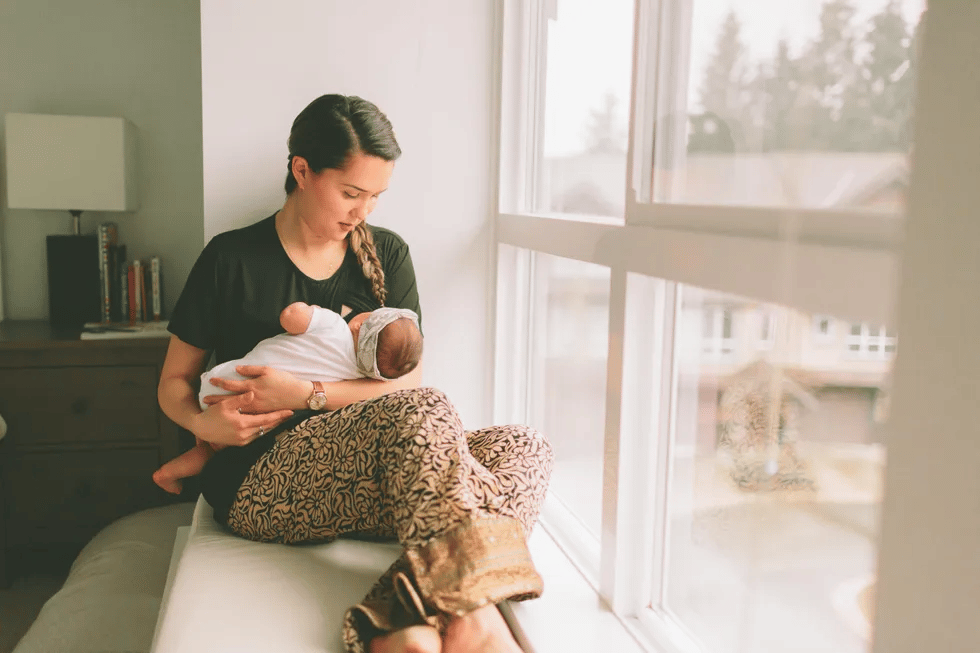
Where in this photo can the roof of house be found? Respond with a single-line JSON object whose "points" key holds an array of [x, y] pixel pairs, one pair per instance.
{"points": [[815, 180], [759, 374]]}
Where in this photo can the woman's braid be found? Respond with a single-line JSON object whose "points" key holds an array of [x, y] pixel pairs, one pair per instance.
{"points": [[363, 243]]}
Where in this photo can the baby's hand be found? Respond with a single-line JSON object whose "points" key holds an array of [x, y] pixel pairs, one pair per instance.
{"points": [[296, 317]]}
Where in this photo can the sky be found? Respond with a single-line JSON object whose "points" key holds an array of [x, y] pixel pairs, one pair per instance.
{"points": [[590, 51]]}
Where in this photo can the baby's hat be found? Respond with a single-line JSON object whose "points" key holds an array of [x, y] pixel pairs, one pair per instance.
{"points": [[367, 338]]}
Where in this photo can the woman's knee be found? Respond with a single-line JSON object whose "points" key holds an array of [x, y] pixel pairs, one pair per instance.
{"points": [[431, 396], [534, 441], [425, 396]]}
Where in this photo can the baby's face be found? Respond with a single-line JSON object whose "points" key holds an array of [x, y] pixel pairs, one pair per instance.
{"points": [[355, 325]]}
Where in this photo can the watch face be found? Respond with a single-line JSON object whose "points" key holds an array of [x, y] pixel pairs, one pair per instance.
{"points": [[318, 401]]}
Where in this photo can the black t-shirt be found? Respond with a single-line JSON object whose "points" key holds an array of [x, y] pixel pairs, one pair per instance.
{"points": [[233, 297]]}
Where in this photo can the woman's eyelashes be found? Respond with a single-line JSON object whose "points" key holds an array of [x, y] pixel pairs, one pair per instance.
{"points": [[354, 196]]}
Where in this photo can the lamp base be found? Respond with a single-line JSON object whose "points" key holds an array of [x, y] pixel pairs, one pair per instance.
{"points": [[73, 280]]}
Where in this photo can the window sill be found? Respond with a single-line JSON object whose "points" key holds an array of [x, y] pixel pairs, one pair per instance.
{"points": [[569, 617]]}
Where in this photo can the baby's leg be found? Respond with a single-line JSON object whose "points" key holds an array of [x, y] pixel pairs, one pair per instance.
{"points": [[189, 463]]}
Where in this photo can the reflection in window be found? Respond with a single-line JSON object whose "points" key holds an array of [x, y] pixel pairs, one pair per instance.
{"points": [[568, 370], [864, 341], [717, 340], [794, 104], [767, 331], [776, 479], [821, 327], [587, 93]]}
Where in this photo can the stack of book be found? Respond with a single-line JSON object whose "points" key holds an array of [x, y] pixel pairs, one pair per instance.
{"points": [[131, 292]]}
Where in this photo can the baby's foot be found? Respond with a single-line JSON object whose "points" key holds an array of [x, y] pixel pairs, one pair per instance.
{"points": [[164, 480]]}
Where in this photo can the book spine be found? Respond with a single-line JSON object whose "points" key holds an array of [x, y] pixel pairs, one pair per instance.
{"points": [[106, 233], [131, 277], [100, 236], [142, 299], [138, 280], [155, 286], [122, 280]]}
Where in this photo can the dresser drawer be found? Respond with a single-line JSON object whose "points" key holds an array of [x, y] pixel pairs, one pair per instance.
{"points": [[79, 404], [66, 497]]}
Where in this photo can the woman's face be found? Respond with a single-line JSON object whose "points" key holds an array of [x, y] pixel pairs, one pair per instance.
{"points": [[335, 201]]}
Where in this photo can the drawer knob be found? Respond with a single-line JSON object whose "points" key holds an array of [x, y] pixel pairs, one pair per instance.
{"points": [[79, 406]]}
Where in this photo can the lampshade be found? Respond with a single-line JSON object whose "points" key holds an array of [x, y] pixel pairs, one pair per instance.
{"points": [[72, 163]]}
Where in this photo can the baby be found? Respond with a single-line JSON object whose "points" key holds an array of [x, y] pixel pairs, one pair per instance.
{"points": [[318, 346]]}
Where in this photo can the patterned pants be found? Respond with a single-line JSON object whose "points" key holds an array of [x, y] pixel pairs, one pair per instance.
{"points": [[401, 466]]}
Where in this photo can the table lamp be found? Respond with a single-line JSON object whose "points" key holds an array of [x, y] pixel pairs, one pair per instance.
{"points": [[74, 164]]}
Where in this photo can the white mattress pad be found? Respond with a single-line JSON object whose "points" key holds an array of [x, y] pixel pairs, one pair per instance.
{"points": [[230, 594]]}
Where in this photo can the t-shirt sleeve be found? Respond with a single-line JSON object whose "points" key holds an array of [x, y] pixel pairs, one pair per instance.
{"points": [[195, 316], [403, 291]]}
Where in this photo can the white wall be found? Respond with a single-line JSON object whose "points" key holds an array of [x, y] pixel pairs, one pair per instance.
{"points": [[138, 59], [428, 65], [929, 567]]}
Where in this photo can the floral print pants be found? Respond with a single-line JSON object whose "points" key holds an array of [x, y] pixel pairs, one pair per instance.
{"points": [[401, 466]]}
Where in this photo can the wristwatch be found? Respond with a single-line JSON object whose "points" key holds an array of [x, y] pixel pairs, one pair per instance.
{"points": [[317, 400]]}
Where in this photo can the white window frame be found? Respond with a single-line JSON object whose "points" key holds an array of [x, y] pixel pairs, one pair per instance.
{"points": [[870, 343], [850, 261]]}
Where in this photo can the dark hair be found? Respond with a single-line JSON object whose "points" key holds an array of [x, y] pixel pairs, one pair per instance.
{"points": [[399, 348], [332, 128]]}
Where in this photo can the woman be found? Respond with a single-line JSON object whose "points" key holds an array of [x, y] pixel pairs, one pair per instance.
{"points": [[391, 459]]}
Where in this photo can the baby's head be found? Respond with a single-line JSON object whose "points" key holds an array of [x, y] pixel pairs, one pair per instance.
{"points": [[387, 341]]}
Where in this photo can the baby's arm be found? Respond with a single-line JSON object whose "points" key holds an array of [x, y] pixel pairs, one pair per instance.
{"points": [[296, 317]]}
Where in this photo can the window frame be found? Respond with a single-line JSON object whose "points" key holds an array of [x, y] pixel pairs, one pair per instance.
{"points": [[850, 259], [872, 344]]}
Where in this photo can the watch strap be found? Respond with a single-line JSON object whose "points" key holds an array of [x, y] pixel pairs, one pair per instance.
{"points": [[318, 396]]}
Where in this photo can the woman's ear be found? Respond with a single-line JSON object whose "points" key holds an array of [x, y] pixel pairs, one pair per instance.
{"points": [[301, 171]]}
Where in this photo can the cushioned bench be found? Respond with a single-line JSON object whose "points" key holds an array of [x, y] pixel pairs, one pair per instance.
{"points": [[111, 597], [171, 580], [229, 594]]}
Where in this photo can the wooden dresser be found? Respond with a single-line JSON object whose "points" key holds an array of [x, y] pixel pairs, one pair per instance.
{"points": [[84, 435]]}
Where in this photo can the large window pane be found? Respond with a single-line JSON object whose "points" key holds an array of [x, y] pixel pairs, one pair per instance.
{"points": [[587, 94], [777, 462], [804, 104], [570, 309]]}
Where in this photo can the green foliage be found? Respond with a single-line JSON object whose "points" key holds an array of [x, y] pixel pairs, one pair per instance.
{"points": [[849, 90]]}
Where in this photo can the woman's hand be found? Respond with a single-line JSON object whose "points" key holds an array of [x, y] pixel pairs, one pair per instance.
{"points": [[226, 422], [270, 389]]}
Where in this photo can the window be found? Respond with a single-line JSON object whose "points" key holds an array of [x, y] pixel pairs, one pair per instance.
{"points": [[764, 447], [767, 329], [754, 108], [716, 337], [580, 125], [822, 329], [570, 318], [803, 105], [867, 342], [716, 453]]}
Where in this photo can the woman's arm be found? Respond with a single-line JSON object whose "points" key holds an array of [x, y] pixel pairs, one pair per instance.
{"points": [[271, 388], [221, 423], [344, 393]]}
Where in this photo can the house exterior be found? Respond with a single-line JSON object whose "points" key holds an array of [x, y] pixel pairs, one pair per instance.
{"points": [[848, 363]]}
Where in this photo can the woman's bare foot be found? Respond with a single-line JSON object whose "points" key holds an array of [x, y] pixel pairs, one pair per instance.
{"points": [[171, 485], [481, 631], [414, 639]]}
